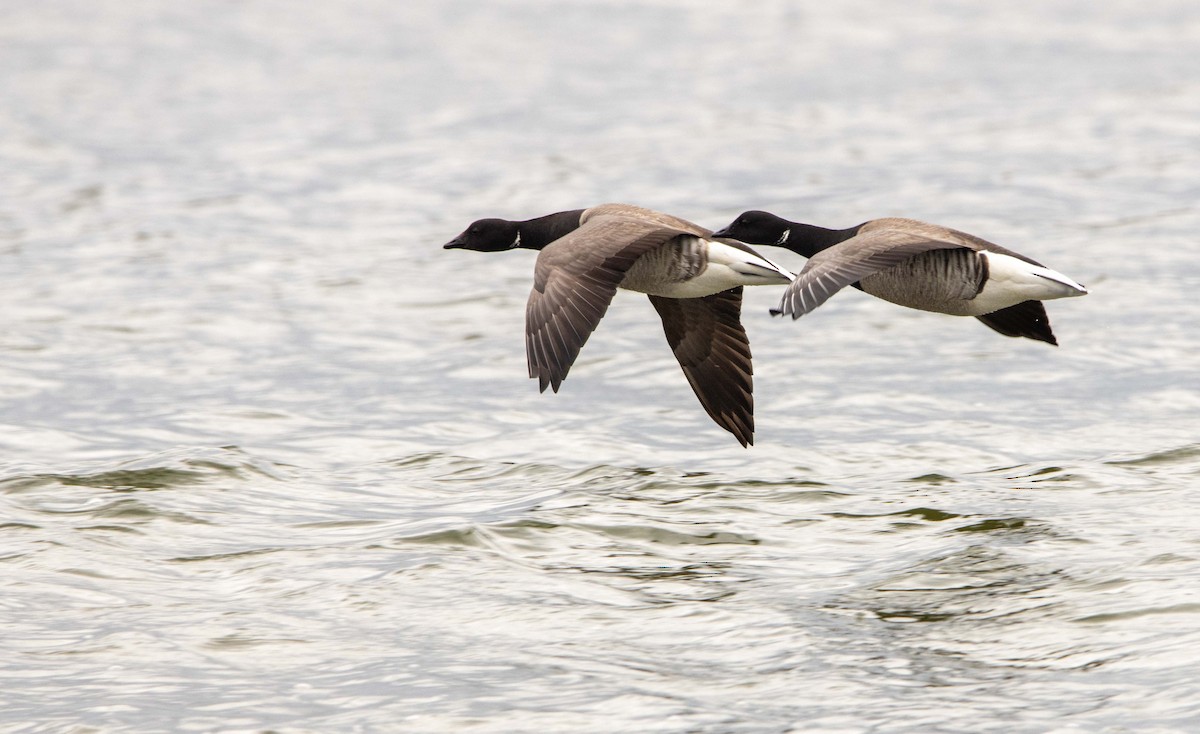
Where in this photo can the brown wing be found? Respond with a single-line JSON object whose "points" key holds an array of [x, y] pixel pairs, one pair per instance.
{"points": [[1027, 319], [574, 280], [707, 337], [938, 232], [834, 268], [645, 216]]}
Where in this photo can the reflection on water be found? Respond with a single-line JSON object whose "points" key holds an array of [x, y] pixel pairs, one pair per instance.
{"points": [[269, 458]]}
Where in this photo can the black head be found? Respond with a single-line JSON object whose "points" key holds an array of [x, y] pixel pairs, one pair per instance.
{"points": [[756, 228], [488, 235]]}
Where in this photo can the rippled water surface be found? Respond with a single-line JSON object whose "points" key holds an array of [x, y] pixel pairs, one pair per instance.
{"points": [[269, 459]]}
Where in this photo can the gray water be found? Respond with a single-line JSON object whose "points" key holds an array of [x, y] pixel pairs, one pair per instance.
{"points": [[269, 458]]}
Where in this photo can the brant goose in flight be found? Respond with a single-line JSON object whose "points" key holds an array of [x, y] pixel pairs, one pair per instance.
{"points": [[915, 264], [693, 279]]}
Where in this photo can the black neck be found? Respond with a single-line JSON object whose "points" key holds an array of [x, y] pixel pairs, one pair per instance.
{"points": [[538, 232], [809, 239]]}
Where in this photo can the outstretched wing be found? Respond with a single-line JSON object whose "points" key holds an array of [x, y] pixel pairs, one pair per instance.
{"points": [[707, 337], [834, 268], [574, 280]]}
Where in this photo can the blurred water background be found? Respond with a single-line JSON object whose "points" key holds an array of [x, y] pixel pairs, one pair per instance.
{"points": [[269, 458]]}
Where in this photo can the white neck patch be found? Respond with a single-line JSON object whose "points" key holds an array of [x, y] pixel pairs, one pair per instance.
{"points": [[516, 243], [784, 237]]}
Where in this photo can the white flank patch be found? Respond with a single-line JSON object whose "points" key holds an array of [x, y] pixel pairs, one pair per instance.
{"points": [[1012, 281], [747, 263], [728, 267]]}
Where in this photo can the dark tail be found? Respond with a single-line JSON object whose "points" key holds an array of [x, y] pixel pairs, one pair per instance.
{"points": [[1026, 319]]}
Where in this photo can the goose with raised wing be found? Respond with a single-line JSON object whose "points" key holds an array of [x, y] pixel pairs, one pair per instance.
{"points": [[693, 279], [914, 264]]}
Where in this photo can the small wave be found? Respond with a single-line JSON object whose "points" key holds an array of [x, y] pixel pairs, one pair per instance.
{"points": [[165, 470], [1138, 613], [1181, 455]]}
